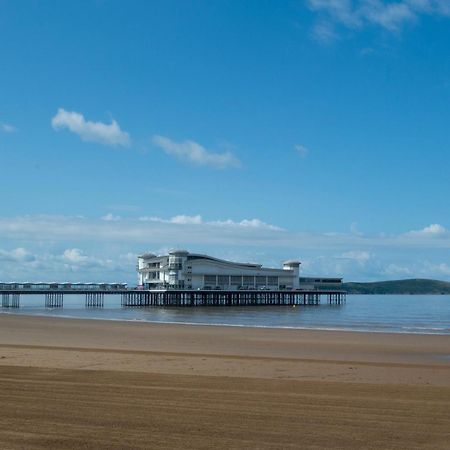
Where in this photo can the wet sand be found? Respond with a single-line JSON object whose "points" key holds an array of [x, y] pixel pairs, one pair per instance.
{"points": [[68, 383]]}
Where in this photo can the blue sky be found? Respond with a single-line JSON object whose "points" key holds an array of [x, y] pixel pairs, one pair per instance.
{"points": [[257, 130]]}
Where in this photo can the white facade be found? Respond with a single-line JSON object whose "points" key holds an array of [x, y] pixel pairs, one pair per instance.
{"points": [[183, 270]]}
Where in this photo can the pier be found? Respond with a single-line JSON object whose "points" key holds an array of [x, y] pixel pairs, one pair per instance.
{"points": [[178, 298], [182, 298]]}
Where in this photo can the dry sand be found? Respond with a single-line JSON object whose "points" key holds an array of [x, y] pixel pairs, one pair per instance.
{"points": [[67, 383]]}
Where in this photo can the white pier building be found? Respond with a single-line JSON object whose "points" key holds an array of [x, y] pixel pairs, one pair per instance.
{"points": [[181, 269]]}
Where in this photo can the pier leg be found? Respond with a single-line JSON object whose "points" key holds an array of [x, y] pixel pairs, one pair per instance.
{"points": [[10, 300], [218, 298], [140, 299], [54, 300], [94, 300]]}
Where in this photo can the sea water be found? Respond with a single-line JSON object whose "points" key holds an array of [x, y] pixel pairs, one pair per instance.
{"points": [[424, 314]]}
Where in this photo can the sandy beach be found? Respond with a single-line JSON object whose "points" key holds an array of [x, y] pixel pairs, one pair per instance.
{"points": [[68, 383]]}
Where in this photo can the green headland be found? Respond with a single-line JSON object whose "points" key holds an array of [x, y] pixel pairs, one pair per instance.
{"points": [[410, 286]]}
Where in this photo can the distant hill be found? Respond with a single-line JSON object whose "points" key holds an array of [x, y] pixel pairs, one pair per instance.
{"points": [[413, 286]]}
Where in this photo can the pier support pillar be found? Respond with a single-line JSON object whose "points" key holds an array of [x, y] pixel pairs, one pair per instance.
{"points": [[94, 300], [135, 299], [54, 300], [10, 300]]}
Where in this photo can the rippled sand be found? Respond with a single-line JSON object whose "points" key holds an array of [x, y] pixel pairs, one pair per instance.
{"points": [[91, 384]]}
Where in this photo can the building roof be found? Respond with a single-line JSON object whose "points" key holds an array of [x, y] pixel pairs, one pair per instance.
{"points": [[200, 256], [178, 252], [292, 262], [147, 255], [193, 256]]}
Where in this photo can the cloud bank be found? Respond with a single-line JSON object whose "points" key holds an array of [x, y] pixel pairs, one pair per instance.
{"points": [[187, 229], [78, 248], [106, 134]]}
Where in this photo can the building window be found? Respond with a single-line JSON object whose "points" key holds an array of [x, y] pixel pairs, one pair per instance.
{"points": [[236, 280], [223, 279], [210, 280], [260, 281], [175, 263], [272, 281], [248, 280]]}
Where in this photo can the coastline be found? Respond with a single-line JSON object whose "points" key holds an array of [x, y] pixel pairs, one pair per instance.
{"points": [[426, 331], [126, 384], [414, 315]]}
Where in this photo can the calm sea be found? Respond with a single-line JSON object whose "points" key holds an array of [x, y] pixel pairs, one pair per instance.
{"points": [[381, 313]]}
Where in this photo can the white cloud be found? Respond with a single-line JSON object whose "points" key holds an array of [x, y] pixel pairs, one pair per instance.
{"points": [[340, 11], [246, 223], [194, 153], [442, 269], [197, 220], [354, 229], [390, 16], [324, 32], [7, 128], [106, 134], [432, 230], [17, 255], [301, 150], [70, 265], [186, 220], [111, 218], [419, 269], [396, 270], [356, 14], [129, 257], [181, 219], [74, 255], [430, 6], [357, 255]]}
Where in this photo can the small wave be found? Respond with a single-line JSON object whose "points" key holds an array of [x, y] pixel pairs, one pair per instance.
{"points": [[369, 329]]}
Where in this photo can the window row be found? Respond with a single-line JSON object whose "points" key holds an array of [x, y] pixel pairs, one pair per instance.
{"points": [[240, 280]]}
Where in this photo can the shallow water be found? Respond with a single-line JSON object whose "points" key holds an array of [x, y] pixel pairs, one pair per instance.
{"points": [[425, 314]]}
